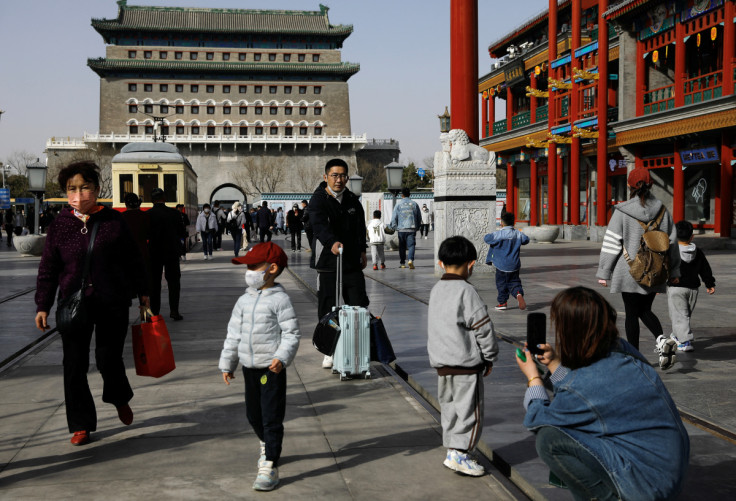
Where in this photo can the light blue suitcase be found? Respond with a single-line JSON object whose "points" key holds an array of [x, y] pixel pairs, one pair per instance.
{"points": [[352, 355]]}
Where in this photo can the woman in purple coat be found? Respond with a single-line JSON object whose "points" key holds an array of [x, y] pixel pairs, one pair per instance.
{"points": [[116, 271]]}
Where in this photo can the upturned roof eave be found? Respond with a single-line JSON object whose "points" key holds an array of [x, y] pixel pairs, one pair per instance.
{"points": [[524, 28]]}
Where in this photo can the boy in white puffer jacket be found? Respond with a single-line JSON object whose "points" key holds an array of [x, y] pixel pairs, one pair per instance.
{"points": [[376, 232], [263, 334]]}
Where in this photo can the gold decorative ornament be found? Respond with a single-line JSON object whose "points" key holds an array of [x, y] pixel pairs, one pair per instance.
{"points": [[536, 92], [558, 84]]}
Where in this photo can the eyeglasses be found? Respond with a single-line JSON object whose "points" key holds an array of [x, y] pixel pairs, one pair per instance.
{"points": [[336, 176]]}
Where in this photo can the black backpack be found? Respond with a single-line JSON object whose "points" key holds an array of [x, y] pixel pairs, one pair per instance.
{"points": [[232, 225]]}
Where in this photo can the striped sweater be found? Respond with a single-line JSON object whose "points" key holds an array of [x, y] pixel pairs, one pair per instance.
{"points": [[624, 231]]}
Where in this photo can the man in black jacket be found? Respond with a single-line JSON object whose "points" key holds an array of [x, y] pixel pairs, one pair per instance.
{"points": [[167, 230], [338, 221], [263, 218]]}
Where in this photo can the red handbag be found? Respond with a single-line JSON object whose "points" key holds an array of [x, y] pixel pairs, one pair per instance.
{"points": [[152, 350]]}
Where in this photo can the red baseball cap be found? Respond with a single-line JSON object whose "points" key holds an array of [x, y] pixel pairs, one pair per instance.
{"points": [[639, 174], [267, 252]]}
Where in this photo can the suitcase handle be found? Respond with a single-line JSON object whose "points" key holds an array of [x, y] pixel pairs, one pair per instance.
{"points": [[338, 285]]}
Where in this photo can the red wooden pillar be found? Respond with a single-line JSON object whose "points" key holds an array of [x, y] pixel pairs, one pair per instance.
{"points": [[678, 187], [641, 84], [728, 48], [532, 99], [560, 190], [574, 167], [464, 67], [534, 193], [509, 108], [602, 146], [484, 131], [680, 64], [724, 221], [491, 113], [510, 189], [552, 200]]}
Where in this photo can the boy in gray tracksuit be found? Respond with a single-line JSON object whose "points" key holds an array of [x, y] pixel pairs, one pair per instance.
{"points": [[462, 347]]}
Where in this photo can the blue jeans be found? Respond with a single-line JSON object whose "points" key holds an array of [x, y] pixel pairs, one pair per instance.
{"points": [[207, 238], [508, 282], [407, 240], [581, 472], [237, 241]]}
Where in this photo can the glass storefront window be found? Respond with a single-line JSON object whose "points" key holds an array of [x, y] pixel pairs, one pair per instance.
{"points": [[126, 186], [698, 193], [146, 183], [170, 183], [524, 199]]}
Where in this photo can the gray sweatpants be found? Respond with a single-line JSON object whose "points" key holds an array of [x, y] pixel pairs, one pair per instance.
{"points": [[461, 408], [681, 302], [377, 254]]}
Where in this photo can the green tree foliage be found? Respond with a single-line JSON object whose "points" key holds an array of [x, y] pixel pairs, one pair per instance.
{"points": [[18, 186]]}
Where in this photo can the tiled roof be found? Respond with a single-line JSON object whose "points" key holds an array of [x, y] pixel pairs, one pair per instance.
{"points": [[102, 66], [622, 7], [540, 18], [145, 18]]}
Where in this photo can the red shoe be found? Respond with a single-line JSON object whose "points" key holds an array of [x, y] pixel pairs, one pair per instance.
{"points": [[501, 306], [80, 438], [383, 266], [375, 266], [125, 413], [522, 303]]}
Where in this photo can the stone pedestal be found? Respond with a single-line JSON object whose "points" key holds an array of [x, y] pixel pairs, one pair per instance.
{"points": [[575, 232], [29, 245], [464, 195], [597, 233]]}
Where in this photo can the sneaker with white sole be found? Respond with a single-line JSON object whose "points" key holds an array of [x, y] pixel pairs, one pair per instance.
{"points": [[411, 264], [268, 477], [462, 462], [686, 346], [666, 347], [262, 458], [327, 362], [502, 306]]}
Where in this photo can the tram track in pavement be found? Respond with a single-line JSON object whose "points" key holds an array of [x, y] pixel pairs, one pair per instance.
{"points": [[699, 422]]}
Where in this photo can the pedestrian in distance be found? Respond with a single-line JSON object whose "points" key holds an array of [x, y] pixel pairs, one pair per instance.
{"points": [[115, 269], [265, 223], [167, 231], [185, 221], [683, 295], [295, 226], [462, 347], [624, 233], [338, 221], [376, 233], [306, 224], [279, 221], [235, 223], [9, 225], [207, 227], [263, 334], [406, 218], [221, 219], [503, 253], [612, 430], [426, 216], [19, 221], [139, 223]]}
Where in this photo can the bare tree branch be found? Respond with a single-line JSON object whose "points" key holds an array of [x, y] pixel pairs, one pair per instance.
{"points": [[103, 161], [19, 159]]}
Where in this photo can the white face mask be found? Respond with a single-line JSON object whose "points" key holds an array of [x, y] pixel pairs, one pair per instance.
{"points": [[255, 279], [206, 211]]}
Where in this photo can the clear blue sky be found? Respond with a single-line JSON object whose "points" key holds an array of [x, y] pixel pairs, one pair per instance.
{"points": [[46, 88]]}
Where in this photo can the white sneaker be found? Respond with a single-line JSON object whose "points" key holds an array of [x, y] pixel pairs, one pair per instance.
{"points": [[327, 362], [262, 458], [686, 346], [268, 477], [206, 257], [461, 462], [666, 347]]}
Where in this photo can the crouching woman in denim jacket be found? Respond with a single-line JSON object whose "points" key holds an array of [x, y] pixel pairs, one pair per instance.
{"points": [[612, 430]]}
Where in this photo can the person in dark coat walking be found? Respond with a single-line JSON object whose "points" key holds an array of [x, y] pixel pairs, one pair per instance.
{"points": [[294, 223], [306, 224], [140, 227], [166, 231], [264, 222], [9, 225], [186, 222], [338, 220]]}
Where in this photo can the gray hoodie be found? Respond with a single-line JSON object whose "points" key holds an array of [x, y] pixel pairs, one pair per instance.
{"points": [[624, 231]]}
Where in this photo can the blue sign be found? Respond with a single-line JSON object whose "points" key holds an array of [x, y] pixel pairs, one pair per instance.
{"points": [[25, 200], [4, 198], [706, 155], [420, 172]]}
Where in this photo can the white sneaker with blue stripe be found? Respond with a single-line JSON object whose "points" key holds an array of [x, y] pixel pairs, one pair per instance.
{"points": [[462, 462], [268, 477]]}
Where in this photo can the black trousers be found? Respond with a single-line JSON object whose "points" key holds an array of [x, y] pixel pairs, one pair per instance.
{"points": [[172, 273], [265, 407], [296, 240], [310, 236], [218, 238], [110, 326], [639, 306], [353, 291], [265, 234]]}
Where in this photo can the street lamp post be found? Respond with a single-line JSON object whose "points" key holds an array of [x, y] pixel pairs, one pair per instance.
{"points": [[355, 184], [444, 121], [394, 175], [37, 186]]}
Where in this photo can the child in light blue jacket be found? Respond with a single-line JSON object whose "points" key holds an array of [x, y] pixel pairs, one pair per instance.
{"points": [[263, 334], [504, 255]]}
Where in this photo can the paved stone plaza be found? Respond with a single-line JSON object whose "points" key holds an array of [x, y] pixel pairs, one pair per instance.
{"points": [[373, 439]]}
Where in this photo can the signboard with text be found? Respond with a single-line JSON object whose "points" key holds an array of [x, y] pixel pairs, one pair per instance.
{"points": [[4, 198]]}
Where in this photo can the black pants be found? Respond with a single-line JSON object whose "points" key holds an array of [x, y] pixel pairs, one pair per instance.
{"points": [[639, 306], [172, 273], [9, 233], [218, 239], [296, 240], [265, 407], [353, 291], [310, 236], [110, 326], [424, 230], [265, 234]]}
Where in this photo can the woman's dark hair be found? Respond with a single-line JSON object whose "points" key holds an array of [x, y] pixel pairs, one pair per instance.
{"points": [[585, 326], [205, 206], [642, 190], [87, 169], [457, 250]]}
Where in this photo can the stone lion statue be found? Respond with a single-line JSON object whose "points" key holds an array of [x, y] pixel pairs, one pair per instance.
{"points": [[461, 149]]}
